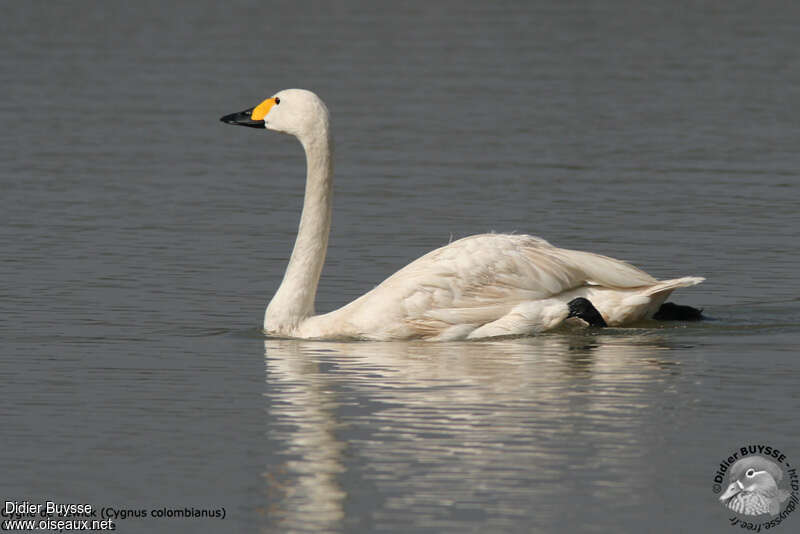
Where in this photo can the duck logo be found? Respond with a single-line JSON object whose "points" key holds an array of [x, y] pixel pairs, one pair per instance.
{"points": [[757, 481]]}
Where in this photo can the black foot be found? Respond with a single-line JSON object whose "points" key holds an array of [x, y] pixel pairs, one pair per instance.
{"points": [[583, 309], [675, 312]]}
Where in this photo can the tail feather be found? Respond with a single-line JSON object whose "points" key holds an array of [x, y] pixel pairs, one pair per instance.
{"points": [[669, 285], [644, 302]]}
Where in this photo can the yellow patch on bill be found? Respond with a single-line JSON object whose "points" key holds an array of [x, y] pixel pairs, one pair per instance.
{"points": [[261, 110]]}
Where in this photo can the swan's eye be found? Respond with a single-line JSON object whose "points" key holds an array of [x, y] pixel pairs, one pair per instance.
{"points": [[277, 100], [750, 473]]}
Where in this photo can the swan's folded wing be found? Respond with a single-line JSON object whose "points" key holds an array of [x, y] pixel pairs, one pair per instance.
{"points": [[478, 279], [602, 270], [481, 278]]}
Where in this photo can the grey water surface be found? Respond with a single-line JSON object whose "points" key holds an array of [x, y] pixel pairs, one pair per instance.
{"points": [[141, 240]]}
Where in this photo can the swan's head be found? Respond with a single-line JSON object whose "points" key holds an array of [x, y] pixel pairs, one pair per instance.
{"points": [[293, 111]]}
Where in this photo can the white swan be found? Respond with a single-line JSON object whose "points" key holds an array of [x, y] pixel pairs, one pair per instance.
{"points": [[480, 286]]}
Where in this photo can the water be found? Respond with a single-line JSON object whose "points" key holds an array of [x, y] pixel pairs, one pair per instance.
{"points": [[142, 239]]}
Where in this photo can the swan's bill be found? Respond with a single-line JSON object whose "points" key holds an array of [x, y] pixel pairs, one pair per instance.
{"points": [[243, 118], [253, 117]]}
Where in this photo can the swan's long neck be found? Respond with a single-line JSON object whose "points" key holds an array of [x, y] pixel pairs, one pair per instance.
{"points": [[294, 300]]}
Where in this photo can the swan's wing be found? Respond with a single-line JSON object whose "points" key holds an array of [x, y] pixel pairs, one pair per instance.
{"points": [[479, 279]]}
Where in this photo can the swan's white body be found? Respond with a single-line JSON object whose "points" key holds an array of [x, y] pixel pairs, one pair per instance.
{"points": [[480, 286]]}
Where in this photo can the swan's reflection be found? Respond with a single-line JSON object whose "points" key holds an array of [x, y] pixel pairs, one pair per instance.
{"points": [[423, 425]]}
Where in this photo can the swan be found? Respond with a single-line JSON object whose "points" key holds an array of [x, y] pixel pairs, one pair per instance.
{"points": [[481, 286]]}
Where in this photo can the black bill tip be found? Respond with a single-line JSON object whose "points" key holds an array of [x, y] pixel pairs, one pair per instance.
{"points": [[242, 118]]}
